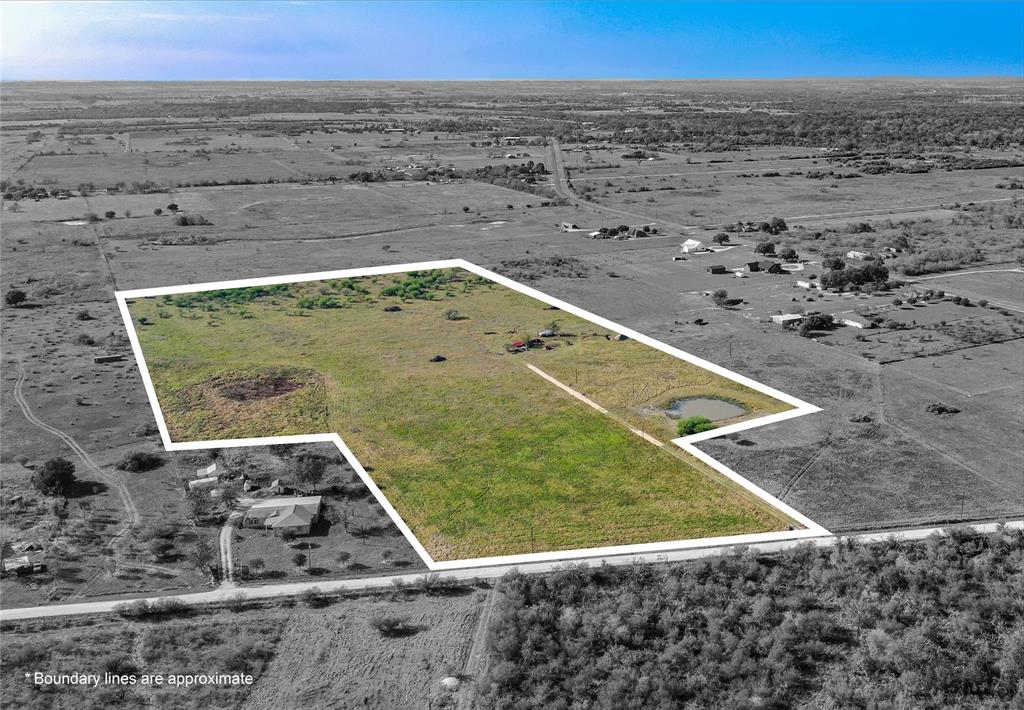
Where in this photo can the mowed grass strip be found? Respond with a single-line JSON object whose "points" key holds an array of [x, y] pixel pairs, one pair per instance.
{"points": [[478, 454]]}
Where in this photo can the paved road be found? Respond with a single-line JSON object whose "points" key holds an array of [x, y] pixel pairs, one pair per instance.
{"points": [[495, 572]]}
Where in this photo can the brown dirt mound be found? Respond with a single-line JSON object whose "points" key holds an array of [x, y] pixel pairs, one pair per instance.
{"points": [[255, 388]]}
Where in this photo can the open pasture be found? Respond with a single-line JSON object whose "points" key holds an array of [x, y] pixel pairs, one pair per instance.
{"points": [[478, 454]]}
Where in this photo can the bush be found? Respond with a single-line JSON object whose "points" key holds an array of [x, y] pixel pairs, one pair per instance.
{"points": [[190, 220], [139, 461], [313, 597], [110, 214], [391, 625], [15, 297], [694, 425]]}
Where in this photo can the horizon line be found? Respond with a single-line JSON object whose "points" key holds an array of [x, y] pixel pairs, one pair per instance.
{"points": [[794, 77]]}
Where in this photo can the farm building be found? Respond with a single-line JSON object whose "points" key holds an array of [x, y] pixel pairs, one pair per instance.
{"points": [[857, 322], [767, 266], [716, 269], [808, 284], [787, 318], [692, 245], [298, 515], [568, 226], [752, 266], [859, 255]]}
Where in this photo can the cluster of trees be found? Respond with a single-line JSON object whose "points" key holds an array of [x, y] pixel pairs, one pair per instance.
{"points": [[227, 296], [419, 285], [938, 259], [816, 321], [873, 272], [932, 623], [768, 249]]}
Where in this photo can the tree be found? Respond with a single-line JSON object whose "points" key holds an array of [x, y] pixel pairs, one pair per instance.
{"points": [[721, 238], [835, 263], [764, 248], [788, 254], [256, 566], [158, 211], [310, 470], [777, 225], [465, 209], [720, 297], [110, 214], [228, 496], [173, 207], [202, 554], [343, 558], [198, 502], [299, 559], [55, 477], [15, 297]]}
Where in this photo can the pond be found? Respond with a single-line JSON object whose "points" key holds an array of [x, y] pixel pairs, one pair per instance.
{"points": [[713, 409]]}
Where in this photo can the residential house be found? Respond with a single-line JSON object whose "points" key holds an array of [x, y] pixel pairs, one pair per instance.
{"points": [[296, 514]]}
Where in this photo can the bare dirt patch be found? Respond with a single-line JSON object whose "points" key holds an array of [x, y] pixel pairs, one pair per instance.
{"points": [[256, 388]]}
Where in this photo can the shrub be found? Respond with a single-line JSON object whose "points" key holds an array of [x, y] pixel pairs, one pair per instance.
{"points": [[694, 425], [139, 461], [15, 297], [313, 597], [190, 220], [391, 625], [110, 214]]}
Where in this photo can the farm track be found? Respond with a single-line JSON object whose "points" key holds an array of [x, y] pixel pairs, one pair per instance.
{"points": [[476, 660], [884, 419], [560, 183], [114, 481]]}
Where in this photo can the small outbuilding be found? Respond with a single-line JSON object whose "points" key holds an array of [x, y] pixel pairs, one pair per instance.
{"points": [[716, 269], [692, 245], [787, 318]]}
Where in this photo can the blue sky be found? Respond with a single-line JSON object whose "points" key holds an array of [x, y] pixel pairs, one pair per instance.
{"points": [[507, 40]]}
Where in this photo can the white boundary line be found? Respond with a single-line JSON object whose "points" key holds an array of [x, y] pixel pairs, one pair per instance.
{"points": [[800, 408]]}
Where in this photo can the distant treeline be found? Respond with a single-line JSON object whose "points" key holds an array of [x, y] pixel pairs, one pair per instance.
{"points": [[930, 624]]}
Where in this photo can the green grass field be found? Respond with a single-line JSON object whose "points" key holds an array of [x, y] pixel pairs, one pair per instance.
{"points": [[480, 455]]}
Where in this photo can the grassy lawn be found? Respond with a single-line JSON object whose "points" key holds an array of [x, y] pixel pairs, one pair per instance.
{"points": [[478, 454]]}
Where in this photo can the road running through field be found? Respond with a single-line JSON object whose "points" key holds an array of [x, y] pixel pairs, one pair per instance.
{"points": [[115, 482], [591, 403], [481, 573]]}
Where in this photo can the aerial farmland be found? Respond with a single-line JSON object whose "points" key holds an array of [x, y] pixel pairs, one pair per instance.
{"points": [[597, 332]]}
